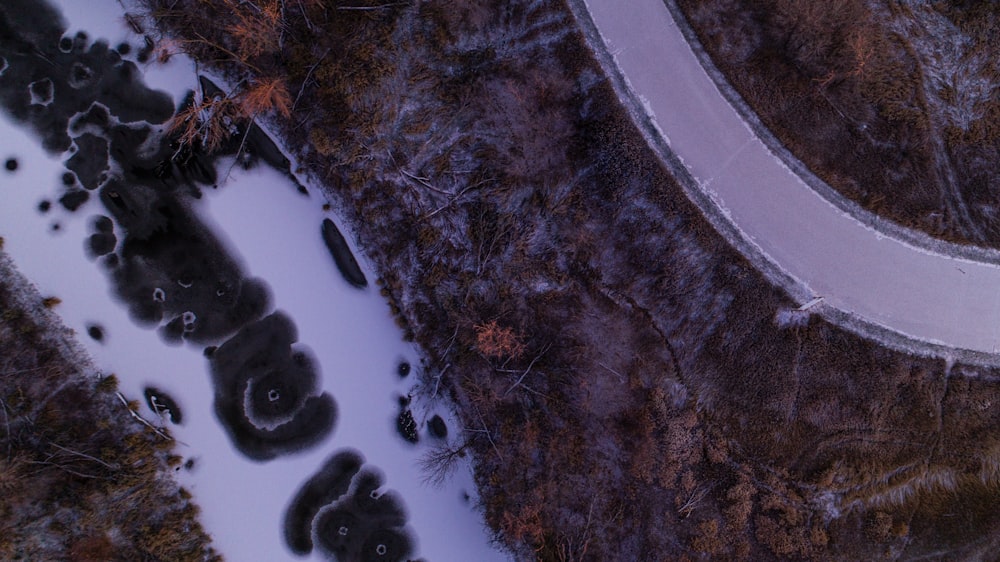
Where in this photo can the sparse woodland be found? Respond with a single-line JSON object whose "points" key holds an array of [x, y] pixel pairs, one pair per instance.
{"points": [[626, 389], [80, 479], [894, 104]]}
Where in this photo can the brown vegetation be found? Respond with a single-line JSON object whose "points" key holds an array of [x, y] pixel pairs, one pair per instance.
{"points": [[654, 409], [251, 38], [80, 480], [891, 103]]}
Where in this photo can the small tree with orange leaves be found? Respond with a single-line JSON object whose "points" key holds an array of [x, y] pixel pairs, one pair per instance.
{"points": [[251, 38], [498, 342], [206, 123], [265, 95], [257, 28]]}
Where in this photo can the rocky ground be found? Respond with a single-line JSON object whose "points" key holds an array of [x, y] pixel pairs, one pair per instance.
{"points": [[894, 104], [630, 387]]}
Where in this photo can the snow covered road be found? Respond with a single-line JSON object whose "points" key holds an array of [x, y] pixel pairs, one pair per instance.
{"points": [[929, 298]]}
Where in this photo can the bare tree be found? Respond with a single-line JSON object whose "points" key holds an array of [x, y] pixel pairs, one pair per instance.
{"points": [[440, 463]]}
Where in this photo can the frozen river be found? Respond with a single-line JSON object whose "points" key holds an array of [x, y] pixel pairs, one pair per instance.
{"points": [[142, 303]]}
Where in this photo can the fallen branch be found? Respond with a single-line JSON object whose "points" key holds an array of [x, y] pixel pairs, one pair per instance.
{"points": [[692, 502], [306, 80], [612, 371], [86, 456], [526, 371], [487, 433], [142, 420]]}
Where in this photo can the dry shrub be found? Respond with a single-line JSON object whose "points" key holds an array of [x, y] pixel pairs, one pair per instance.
{"points": [[256, 30], [92, 548], [498, 342], [204, 123], [265, 95]]}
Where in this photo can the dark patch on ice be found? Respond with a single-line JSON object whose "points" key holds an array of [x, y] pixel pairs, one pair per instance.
{"points": [[43, 65], [103, 224], [325, 487], [366, 525], [342, 255], [406, 426], [10, 165], [44, 206], [81, 75], [209, 351], [95, 118], [90, 163], [96, 332], [125, 142], [437, 428], [42, 91], [260, 356], [102, 243], [69, 179], [403, 369], [163, 404], [167, 248], [56, 227], [80, 40], [145, 54], [352, 519], [73, 199]]}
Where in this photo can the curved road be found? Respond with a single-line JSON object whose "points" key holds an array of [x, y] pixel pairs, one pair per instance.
{"points": [[880, 285]]}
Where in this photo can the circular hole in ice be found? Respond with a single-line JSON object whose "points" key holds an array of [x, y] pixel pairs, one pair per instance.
{"points": [[343, 531], [273, 395], [159, 295], [381, 550]]}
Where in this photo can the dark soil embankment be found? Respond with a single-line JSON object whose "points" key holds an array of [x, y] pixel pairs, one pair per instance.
{"points": [[895, 105], [630, 387]]}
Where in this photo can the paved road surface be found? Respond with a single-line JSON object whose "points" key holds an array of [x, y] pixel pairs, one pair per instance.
{"points": [[904, 295]]}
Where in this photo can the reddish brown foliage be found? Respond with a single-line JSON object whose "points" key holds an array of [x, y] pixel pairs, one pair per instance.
{"points": [[498, 342], [92, 548], [256, 30], [264, 95]]}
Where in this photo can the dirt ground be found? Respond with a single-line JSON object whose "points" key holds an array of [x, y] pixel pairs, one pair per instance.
{"points": [[631, 389], [894, 104]]}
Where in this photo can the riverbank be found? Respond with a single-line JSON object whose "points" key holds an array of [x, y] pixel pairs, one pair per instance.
{"points": [[629, 386], [81, 478]]}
